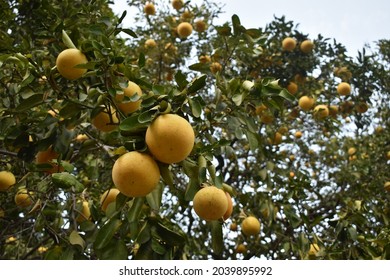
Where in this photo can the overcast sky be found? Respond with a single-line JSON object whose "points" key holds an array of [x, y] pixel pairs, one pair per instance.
{"points": [[351, 22]]}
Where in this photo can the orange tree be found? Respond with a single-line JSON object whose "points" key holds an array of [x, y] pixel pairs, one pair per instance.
{"points": [[313, 177]]}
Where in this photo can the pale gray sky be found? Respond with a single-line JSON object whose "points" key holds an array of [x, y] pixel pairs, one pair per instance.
{"points": [[351, 22]]}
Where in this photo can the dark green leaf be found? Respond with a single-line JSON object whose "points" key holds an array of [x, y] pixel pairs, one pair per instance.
{"points": [[115, 250], [106, 233], [129, 32], [196, 107], [154, 198], [236, 25], [135, 209], [181, 80], [197, 84], [171, 237], [217, 237], [76, 239], [32, 101]]}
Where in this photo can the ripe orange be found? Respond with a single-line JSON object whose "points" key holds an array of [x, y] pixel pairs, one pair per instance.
{"points": [[49, 156], [135, 174], [229, 210], [184, 29], [66, 62], [200, 26], [250, 226], [170, 138], [307, 46], [343, 88], [210, 203], [215, 67], [104, 122], [7, 180], [298, 134], [149, 9], [320, 112], [128, 107], [85, 213], [23, 198], [107, 197], [177, 4], [288, 44], [241, 249], [150, 43], [292, 88], [306, 103]]}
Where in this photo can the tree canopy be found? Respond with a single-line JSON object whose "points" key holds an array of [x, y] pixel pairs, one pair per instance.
{"points": [[291, 127]]}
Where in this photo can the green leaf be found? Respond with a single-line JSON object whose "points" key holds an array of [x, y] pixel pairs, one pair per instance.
{"points": [[76, 239], [154, 198], [287, 95], [135, 209], [181, 80], [67, 41], [129, 32], [115, 250], [252, 139], [236, 25], [200, 67], [171, 237], [166, 174], [65, 180], [253, 32], [196, 107], [197, 84], [192, 189], [158, 247], [217, 237], [141, 60], [132, 124], [32, 101], [106, 233]]}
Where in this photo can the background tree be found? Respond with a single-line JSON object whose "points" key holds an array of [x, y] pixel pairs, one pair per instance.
{"points": [[316, 183]]}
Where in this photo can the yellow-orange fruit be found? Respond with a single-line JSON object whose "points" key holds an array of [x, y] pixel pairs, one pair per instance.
{"points": [[307, 46], [320, 112], [229, 210], [23, 198], [292, 88], [361, 107], [288, 44], [250, 226], [343, 88], [210, 203], [170, 138], [128, 107], [149, 9], [107, 197], [298, 134], [7, 180], [66, 62], [387, 186], [333, 110], [177, 4], [351, 151], [49, 156], [85, 213], [241, 249], [104, 122], [135, 174], [204, 59], [314, 248], [215, 67], [200, 26], [150, 43], [184, 29], [233, 227], [306, 103]]}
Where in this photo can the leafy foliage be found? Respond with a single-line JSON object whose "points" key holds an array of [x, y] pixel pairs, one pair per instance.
{"points": [[230, 82]]}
